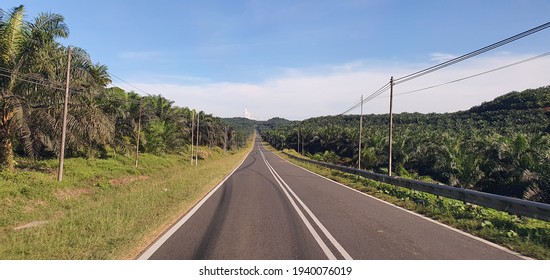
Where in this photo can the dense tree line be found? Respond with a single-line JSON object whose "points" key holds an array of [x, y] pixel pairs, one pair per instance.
{"points": [[502, 146], [244, 128], [165, 128], [101, 121]]}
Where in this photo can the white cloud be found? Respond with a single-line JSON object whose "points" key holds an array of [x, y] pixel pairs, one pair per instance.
{"points": [[300, 94], [441, 57], [247, 114]]}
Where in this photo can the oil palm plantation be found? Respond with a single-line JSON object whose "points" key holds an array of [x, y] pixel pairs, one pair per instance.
{"points": [[33, 66], [25, 48]]}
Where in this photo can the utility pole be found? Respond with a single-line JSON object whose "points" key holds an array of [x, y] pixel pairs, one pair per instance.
{"points": [[302, 144], [198, 136], [226, 129], [298, 142], [192, 133], [360, 131], [138, 136], [64, 125], [391, 127]]}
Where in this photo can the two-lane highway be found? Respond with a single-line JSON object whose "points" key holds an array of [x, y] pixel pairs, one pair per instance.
{"points": [[269, 208]]}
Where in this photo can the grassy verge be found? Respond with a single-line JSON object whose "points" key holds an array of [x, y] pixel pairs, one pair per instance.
{"points": [[104, 209], [527, 236]]}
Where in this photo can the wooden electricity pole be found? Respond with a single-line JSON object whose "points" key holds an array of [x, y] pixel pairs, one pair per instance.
{"points": [[138, 130], [299, 141], [360, 131], [64, 125], [192, 134], [391, 127], [302, 144], [226, 130], [198, 136]]}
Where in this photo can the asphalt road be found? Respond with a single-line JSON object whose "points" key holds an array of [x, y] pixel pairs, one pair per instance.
{"points": [[271, 209]]}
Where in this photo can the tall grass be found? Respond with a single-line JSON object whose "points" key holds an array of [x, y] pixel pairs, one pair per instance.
{"points": [[104, 209]]}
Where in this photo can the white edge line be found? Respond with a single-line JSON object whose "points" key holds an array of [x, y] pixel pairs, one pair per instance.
{"points": [[419, 215], [313, 232], [333, 240], [330, 237], [156, 245]]}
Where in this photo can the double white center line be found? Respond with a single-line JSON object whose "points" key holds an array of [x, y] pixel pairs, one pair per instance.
{"points": [[286, 189]]}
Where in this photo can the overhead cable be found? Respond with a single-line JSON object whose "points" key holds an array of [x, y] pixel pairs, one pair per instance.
{"points": [[478, 74], [471, 54], [135, 87], [373, 95]]}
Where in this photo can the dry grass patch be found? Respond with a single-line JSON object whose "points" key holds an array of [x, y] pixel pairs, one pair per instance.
{"points": [[33, 204], [126, 180], [66, 194]]}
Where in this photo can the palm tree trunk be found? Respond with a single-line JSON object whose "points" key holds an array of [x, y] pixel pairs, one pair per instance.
{"points": [[7, 159]]}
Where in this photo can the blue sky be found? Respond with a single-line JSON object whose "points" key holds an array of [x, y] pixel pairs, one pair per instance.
{"points": [[299, 59]]}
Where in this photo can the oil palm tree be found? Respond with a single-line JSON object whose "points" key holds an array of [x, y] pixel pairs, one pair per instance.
{"points": [[89, 128], [121, 107], [32, 93], [23, 48]]}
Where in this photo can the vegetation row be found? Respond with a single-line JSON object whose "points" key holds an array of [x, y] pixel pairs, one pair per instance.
{"points": [[501, 147], [102, 121]]}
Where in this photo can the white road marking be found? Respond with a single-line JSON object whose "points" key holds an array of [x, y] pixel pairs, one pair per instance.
{"points": [[320, 225], [313, 232], [321, 243], [420, 216], [156, 245]]}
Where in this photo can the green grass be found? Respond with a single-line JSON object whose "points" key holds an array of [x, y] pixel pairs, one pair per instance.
{"points": [[104, 208], [527, 236]]}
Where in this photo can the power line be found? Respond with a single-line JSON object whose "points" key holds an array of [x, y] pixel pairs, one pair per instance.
{"points": [[33, 78], [38, 83], [478, 74], [377, 93], [135, 87], [52, 85], [471, 54], [451, 62], [351, 109], [373, 95], [48, 83], [29, 78]]}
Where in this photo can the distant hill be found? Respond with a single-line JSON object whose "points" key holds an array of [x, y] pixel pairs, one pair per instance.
{"points": [[243, 126], [503, 114], [527, 99], [240, 123], [499, 146], [275, 123]]}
